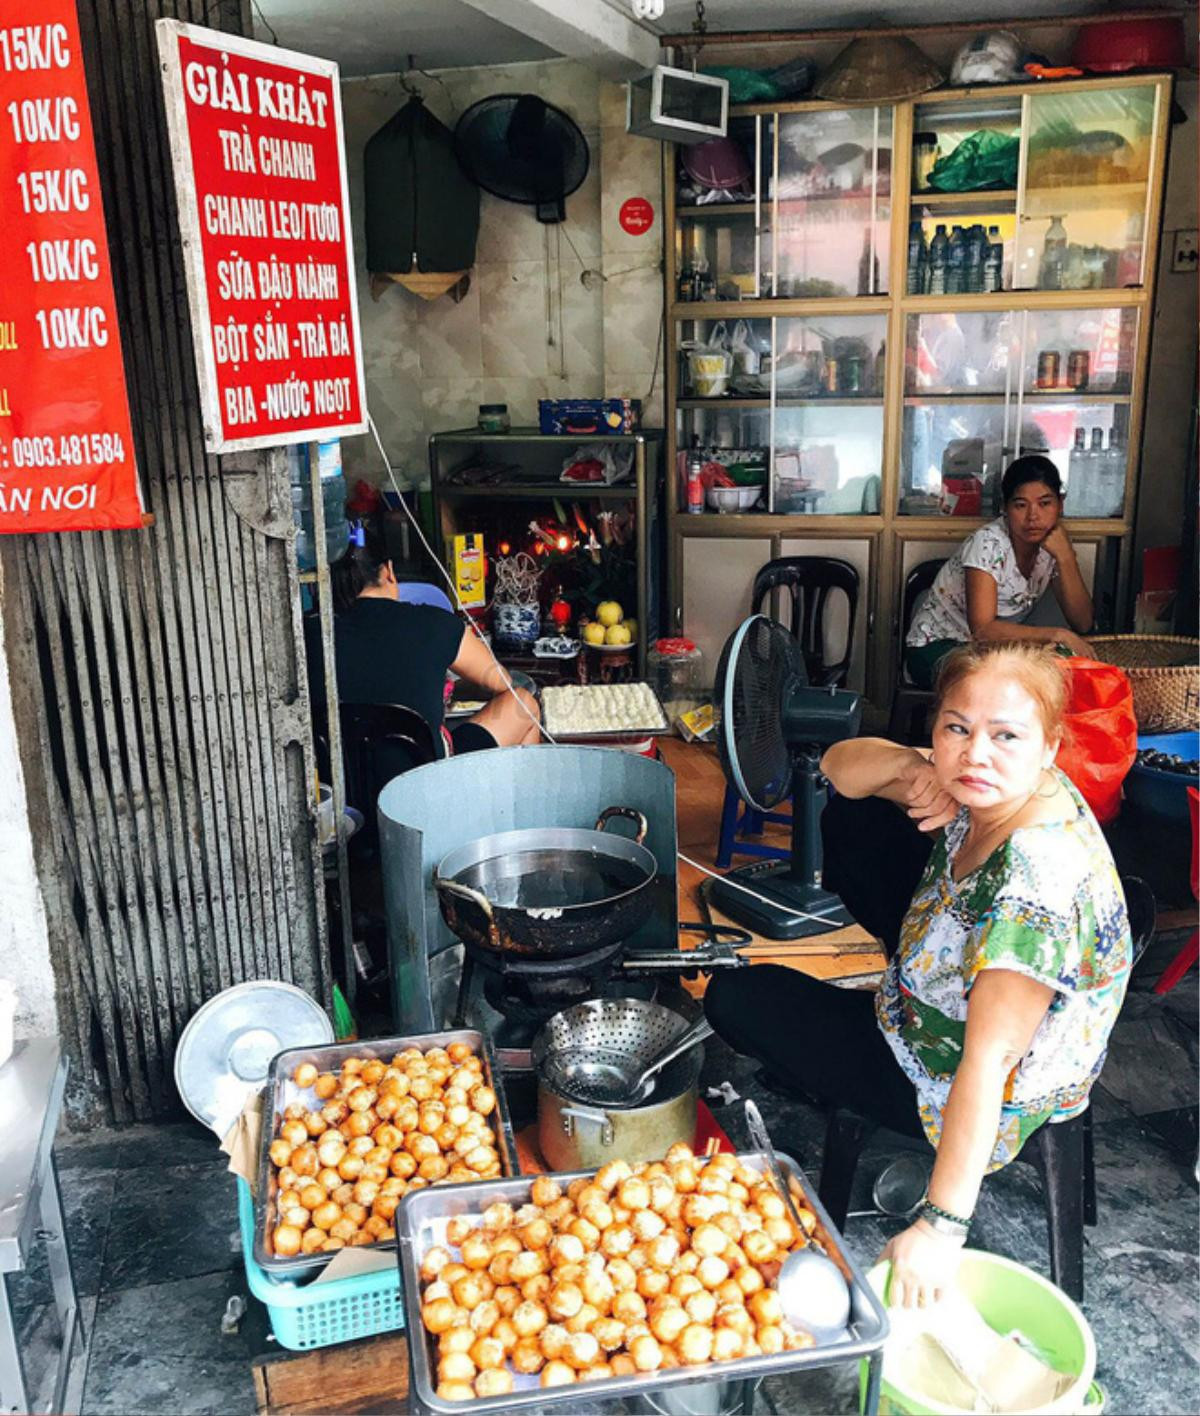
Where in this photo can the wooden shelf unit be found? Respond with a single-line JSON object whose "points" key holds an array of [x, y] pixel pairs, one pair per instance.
{"points": [[889, 540]]}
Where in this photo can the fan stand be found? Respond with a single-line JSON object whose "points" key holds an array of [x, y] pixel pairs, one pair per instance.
{"points": [[791, 889]]}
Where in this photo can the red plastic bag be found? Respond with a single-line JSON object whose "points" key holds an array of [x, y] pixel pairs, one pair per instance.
{"points": [[1100, 742]]}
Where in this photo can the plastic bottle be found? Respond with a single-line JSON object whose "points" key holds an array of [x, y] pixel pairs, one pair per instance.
{"points": [[918, 259], [1054, 256], [939, 259], [1076, 504], [956, 263], [993, 261], [695, 485], [975, 240], [1112, 480], [333, 498]]}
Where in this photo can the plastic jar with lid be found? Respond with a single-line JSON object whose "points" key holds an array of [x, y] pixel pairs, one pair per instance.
{"points": [[493, 418], [675, 668]]}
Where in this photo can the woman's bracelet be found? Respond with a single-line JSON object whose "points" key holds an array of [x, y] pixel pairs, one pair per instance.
{"points": [[942, 1220]]}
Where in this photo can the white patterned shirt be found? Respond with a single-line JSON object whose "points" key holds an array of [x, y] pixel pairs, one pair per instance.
{"points": [[943, 615]]}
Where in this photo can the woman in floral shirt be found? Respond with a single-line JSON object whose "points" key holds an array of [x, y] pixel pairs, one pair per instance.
{"points": [[1000, 572], [1008, 940]]}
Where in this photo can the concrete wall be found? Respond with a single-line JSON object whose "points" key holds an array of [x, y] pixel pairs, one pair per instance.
{"points": [[24, 943], [1171, 388], [531, 326]]}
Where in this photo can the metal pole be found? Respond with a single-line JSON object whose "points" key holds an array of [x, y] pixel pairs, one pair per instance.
{"points": [[336, 767]]}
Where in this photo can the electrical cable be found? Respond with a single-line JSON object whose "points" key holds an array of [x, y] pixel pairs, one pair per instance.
{"points": [[537, 722]]}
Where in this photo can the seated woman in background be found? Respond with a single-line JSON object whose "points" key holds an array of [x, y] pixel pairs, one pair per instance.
{"points": [[987, 878], [1000, 572], [392, 650]]}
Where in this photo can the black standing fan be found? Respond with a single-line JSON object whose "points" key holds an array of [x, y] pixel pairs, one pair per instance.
{"points": [[773, 727], [518, 147]]}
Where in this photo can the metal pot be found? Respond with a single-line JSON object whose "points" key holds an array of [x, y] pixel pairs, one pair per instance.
{"points": [[576, 1136], [548, 893]]}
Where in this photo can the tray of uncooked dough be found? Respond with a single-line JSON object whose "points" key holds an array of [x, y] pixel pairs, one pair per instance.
{"points": [[602, 710]]}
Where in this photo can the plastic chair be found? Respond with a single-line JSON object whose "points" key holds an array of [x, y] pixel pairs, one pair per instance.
{"points": [[807, 582], [379, 742], [1063, 1154], [1190, 952], [910, 704]]}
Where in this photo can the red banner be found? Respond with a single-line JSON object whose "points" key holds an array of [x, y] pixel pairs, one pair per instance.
{"points": [[260, 175], [66, 445]]}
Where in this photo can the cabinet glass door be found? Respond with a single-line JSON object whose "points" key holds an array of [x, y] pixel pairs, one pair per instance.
{"points": [[1084, 203], [830, 199], [1076, 377], [966, 157], [720, 214], [828, 425]]}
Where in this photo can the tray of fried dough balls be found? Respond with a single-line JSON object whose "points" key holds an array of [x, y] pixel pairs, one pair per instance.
{"points": [[349, 1130], [611, 1284]]}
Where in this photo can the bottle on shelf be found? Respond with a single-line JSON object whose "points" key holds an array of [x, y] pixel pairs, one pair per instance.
{"points": [[1054, 256], [939, 259], [993, 261], [1077, 489], [695, 484], [918, 259], [976, 239], [1129, 261], [1111, 496], [956, 263]]}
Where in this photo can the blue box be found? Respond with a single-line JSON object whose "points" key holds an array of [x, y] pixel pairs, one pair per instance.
{"points": [[589, 416]]}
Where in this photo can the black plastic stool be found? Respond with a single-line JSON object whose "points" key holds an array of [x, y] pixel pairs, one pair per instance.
{"points": [[1063, 1155]]}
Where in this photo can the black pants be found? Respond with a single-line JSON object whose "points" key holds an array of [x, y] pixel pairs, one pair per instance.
{"points": [[817, 1038]]}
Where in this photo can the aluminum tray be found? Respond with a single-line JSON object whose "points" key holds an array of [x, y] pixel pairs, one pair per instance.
{"points": [[651, 730], [281, 1091], [420, 1223]]}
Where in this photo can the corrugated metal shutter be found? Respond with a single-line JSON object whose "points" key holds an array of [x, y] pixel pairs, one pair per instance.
{"points": [[159, 676]]}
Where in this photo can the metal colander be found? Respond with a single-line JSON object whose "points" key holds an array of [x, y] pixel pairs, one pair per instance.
{"points": [[584, 1051]]}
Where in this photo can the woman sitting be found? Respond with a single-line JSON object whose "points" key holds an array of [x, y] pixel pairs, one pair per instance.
{"points": [[391, 650], [1000, 572], [988, 880]]}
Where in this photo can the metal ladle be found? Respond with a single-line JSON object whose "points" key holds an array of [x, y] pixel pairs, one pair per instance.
{"points": [[812, 1290], [898, 1189]]}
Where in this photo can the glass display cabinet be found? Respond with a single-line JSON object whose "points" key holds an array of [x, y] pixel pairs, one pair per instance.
{"points": [[874, 310]]}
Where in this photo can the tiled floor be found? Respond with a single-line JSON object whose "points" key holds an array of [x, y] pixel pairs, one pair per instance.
{"points": [[157, 1255]]}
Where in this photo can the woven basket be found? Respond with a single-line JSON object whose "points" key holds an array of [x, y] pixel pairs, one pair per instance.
{"points": [[1164, 670]]}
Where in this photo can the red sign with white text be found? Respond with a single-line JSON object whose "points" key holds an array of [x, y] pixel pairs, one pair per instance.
{"points": [[636, 216], [66, 445], [260, 175]]}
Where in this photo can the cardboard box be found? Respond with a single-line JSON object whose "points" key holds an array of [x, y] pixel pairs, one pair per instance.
{"points": [[589, 416], [470, 570]]}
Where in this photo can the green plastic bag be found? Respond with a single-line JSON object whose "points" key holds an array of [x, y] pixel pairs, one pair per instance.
{"points": [[745, 85], [983, 160]]}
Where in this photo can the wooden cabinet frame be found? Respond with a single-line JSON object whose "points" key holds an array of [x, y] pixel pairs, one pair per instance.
{"points": [[889, 529]]}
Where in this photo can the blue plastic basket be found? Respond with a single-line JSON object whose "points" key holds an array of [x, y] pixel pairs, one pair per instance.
{"points": [[1163, 794], [310, 1315]]}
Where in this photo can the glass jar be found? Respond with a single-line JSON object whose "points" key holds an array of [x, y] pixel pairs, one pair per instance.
{"points": [[675, 668], [493, 418]]}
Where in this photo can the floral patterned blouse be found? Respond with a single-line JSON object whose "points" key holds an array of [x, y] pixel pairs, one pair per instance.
{"points": [[1046, 903], [943, 613]]}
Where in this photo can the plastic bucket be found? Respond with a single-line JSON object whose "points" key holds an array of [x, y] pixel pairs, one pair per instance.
{"points": [[1009, 1298]]}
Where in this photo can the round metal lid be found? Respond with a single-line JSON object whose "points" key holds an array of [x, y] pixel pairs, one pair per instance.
{"points": [[226, 1049]]}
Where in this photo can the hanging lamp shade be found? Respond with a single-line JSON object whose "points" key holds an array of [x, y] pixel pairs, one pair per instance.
{"points": [[877, 68]]}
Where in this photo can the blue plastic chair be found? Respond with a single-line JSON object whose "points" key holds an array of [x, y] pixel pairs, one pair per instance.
{"points": [[808, 582]]}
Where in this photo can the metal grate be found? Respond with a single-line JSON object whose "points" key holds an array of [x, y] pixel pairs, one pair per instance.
{"points": [[159, 679]]}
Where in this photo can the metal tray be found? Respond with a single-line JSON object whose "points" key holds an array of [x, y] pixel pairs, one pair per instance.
{"points": [[658, 729], [281, 1091], [421, 1222]]}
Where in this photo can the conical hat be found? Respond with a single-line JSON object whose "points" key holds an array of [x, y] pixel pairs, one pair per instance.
{"points": [[876, 68]]}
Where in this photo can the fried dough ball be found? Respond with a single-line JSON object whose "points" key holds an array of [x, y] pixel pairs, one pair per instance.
{"points": [[545, 1191], [487, 1352], [287, 1240], [557, 1373], [494, 1381], [527, 1356], [646, 1353], [455, 1391]]}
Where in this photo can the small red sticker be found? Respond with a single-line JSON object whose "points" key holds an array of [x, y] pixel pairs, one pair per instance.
{"points": [[636, 216]]}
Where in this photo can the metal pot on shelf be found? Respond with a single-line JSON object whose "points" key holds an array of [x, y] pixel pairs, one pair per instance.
{"points": [[576, 1133]]}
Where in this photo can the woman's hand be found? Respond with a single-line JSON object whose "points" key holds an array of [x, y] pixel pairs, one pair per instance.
{"points": [[1074, 642], [1058, 543], [923, 797], [924, 1263]]}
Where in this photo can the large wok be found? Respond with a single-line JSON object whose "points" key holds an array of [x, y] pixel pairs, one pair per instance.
{"points": [[548, 893]]}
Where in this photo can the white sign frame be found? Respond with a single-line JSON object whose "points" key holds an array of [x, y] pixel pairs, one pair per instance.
{"points": [[168, 33]]}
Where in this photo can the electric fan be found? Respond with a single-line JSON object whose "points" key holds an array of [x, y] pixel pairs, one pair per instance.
{"points": [[520, 148], [773, 727]]}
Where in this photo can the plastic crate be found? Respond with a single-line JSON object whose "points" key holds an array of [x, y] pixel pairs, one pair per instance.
{"points": [[310, 1315]]}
